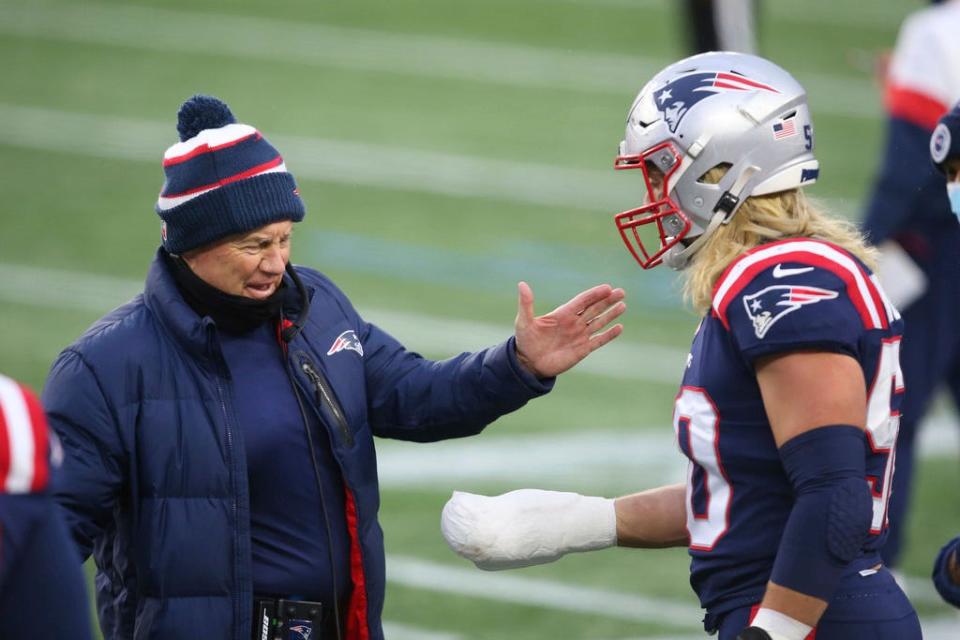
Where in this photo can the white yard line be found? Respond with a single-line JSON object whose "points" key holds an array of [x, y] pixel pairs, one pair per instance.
{"points": [[397, 631], [164, 30], [61, 289], [339, 161], [515, 588]]}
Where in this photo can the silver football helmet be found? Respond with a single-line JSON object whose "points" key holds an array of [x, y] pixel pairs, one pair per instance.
{"points": [[730, 110]]}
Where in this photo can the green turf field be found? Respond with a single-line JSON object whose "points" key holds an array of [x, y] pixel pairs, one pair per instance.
{"points": [[445, 150]]}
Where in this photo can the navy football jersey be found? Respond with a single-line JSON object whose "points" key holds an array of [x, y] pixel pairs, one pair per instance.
{"points": [[798, 294], [42, 591]]}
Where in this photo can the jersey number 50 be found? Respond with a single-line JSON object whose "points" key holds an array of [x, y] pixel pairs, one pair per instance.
{"points": [[708, 516]]}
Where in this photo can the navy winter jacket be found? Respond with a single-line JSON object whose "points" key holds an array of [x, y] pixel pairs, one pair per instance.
{"points": [[155, 481]]}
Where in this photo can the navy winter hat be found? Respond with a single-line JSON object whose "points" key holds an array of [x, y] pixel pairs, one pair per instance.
{"points": [[222, 178], [945, 141]]}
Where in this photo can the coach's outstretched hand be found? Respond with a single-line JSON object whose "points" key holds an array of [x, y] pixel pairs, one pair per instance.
{"points": [[550, 344]]}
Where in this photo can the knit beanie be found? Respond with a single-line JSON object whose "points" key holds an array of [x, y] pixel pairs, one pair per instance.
{"points": [[222, 178], [945, 141]]}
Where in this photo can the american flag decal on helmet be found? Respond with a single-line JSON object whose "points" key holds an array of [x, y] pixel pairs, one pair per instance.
{"points": [[346, 340], [768, 305]]}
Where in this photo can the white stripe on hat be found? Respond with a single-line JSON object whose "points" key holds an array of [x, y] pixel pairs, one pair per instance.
{"points": [[211, 138], [169, 203], [19, 435], [840, 259]]}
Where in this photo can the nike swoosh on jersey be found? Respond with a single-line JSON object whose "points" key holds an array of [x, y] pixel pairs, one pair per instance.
{"points": [[780, 272]]}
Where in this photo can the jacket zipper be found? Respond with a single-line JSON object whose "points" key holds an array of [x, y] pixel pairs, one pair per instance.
{"points": [[233, 501], [324, 396]]}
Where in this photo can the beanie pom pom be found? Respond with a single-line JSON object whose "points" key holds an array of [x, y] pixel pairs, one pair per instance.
{"points": [[202, 112]]}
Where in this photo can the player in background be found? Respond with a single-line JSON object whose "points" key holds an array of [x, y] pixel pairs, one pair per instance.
{"points": [[908, 217], [945, 153], [42, 592], [721, 25], [788, 407]]}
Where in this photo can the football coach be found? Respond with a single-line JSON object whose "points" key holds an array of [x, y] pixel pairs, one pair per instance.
{"points": [[218, 428]]}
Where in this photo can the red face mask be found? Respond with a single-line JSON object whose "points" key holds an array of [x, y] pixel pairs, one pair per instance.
{"points": [[648, 244]]}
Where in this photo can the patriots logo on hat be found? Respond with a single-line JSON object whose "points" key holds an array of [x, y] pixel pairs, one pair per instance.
{"points": [[676, 98], [768, 305], [346, 340], [940, 143]]}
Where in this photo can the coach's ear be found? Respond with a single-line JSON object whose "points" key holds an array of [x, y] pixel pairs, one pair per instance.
{"points": [[526, 527]]}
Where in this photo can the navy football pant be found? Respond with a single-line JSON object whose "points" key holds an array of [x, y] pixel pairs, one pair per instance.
{"points": [[864, 608]]}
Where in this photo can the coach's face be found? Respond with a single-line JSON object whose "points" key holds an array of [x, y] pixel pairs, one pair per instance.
{"points": [[249, 264]]}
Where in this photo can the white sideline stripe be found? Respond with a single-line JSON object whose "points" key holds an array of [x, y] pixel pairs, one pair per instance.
{"points": [[537, 592], [60, 289], [369, 50], [397, 631], [340, 161]]}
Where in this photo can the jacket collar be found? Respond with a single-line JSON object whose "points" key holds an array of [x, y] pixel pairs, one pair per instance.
{"points": [[164, 300], [193, 332]]}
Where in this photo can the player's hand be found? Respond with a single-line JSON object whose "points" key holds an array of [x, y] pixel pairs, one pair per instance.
{"points": [[526, 527], [754, 633], [550, 344]]}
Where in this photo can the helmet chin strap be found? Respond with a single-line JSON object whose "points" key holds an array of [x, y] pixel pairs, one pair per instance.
{"points": [[678, 256]]}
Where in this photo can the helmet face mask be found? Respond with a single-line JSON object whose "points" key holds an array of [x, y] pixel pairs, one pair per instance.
{"points": [[658, 166], [716, 110]]}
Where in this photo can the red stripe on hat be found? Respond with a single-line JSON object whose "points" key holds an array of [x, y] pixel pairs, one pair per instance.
{"points": [[249, 173], [38, 426], [913, 106], [4, 450], [204, 148], [804, 257]]}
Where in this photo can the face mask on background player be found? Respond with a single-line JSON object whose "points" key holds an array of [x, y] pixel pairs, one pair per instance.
{"points": [[945, 153], [734, 111]]}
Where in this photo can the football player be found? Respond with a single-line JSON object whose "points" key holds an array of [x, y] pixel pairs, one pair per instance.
{"points": [[909, 219], [945, 153], [788, 407], [42, 592]]}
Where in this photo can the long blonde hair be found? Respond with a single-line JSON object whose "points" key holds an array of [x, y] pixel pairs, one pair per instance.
{"points": [[762, 219]]}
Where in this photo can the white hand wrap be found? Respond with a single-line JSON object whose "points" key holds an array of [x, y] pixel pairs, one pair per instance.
{"points": [[780, 626], [526, 527]]}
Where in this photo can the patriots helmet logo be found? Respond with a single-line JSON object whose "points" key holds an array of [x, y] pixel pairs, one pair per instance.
{"points": [[676, 98], [346, 340], [303, 631], [768, 305]]}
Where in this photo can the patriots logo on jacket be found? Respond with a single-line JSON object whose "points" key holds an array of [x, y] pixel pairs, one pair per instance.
{"points": [[676, 98], [346, 340], [769, 305]]}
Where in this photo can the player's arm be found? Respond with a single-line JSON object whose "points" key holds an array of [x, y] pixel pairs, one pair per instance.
{"points": [[816, 404], [946, 572], [530, 526]]}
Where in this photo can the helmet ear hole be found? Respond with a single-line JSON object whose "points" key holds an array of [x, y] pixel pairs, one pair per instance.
{"points": [[715, 174]]}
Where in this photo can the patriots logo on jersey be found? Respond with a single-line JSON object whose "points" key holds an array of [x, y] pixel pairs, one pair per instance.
{"points": [[346, 340], [769, 305], [676, 98]]}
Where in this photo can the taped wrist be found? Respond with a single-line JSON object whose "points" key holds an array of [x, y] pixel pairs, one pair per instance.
{"points": [[526, 527], [832, 509]]}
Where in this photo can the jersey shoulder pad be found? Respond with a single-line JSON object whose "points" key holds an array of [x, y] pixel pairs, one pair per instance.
{"points": [[774, 280], [24, 464]]}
